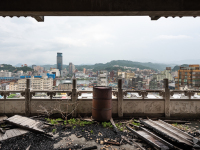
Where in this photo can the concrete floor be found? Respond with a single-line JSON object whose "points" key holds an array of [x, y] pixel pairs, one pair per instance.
{"points": [[72, 140]]}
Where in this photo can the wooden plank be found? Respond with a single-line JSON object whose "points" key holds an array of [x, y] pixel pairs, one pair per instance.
{"points": [[20, 120], [8, 133], [113, 124], [23, 119], [34, 124], [151, 138], [39, 125], [26, 123], [167, 131], [15, 117], [1, 136], [22, 131], [12, 133], [16, 132], [4, 137]]}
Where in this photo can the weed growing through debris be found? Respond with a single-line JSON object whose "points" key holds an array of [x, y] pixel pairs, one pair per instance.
{"points": [[107, 124], [59, 119], [74, 127], [52, 121], [65, 122], [91, 131], [136, 124], [3, 125], [54, 130], [181, 127]]}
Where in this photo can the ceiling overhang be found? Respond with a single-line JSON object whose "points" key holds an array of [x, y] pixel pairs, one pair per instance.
{"points": [[153, 8]]}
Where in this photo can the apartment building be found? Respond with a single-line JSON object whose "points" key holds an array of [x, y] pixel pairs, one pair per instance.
{"points": [[43, 83], [47, 83], [5, 73], [21, 84], [137, 83], [67, 85], [129, 75], [102, 79], [55, 71], [71, 68], [13, 86], [188, 76], [120, 74], [164, 74]]}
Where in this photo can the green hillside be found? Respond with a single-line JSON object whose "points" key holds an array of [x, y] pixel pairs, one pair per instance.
{"points": [[176, 68], [109, 65], [13, 69]]}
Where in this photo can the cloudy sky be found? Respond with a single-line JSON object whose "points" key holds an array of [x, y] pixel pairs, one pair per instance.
{"points": [[89, 40]]}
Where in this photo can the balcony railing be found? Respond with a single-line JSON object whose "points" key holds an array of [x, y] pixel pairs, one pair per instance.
{"points": [[164, 106]]}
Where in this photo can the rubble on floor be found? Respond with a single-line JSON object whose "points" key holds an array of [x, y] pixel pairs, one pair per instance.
{"points": [[34, 133]]}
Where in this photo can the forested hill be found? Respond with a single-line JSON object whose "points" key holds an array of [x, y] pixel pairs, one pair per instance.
{"points": [[176, 68], [109, 65], [13, 69]]}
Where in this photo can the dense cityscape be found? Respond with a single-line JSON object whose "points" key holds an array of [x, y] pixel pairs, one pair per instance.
{"points": [[60, 78]]}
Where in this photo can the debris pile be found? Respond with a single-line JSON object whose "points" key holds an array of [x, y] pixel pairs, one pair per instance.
{"points": [[18, 132]]}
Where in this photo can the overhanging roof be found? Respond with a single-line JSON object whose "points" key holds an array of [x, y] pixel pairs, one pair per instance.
{"points": [[153, 8]]}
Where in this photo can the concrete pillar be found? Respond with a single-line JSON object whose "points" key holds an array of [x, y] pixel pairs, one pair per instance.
{"points": [[74, 96], [120, 98], [167, 98], [27, 98]]}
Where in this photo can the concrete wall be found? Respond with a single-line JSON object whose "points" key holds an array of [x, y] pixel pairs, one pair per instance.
{"points": [[131, 107]]}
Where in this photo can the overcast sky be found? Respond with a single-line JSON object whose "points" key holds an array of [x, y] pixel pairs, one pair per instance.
{"points": [[89, 40]]}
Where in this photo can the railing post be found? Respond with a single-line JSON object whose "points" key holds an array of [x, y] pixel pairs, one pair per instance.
{"points": [[167, 98], [27, 98], [120, 98], [74, 96]]}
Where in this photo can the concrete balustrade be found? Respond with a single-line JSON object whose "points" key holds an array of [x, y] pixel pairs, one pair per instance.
{"points": [[121, 106]]}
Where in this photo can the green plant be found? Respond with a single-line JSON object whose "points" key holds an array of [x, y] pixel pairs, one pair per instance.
{"points": [[54, 130], [53, 121], [11, 96], [82, 130], [59, 119], [136, 124], [74, 127], [3, 125], [48, 120], [91, 131], [175, 124], [65, 122], [105, 124]]}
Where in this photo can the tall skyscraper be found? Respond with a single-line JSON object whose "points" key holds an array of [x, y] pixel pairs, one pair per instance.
{"points": [[71, 68], [59, 61]]}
